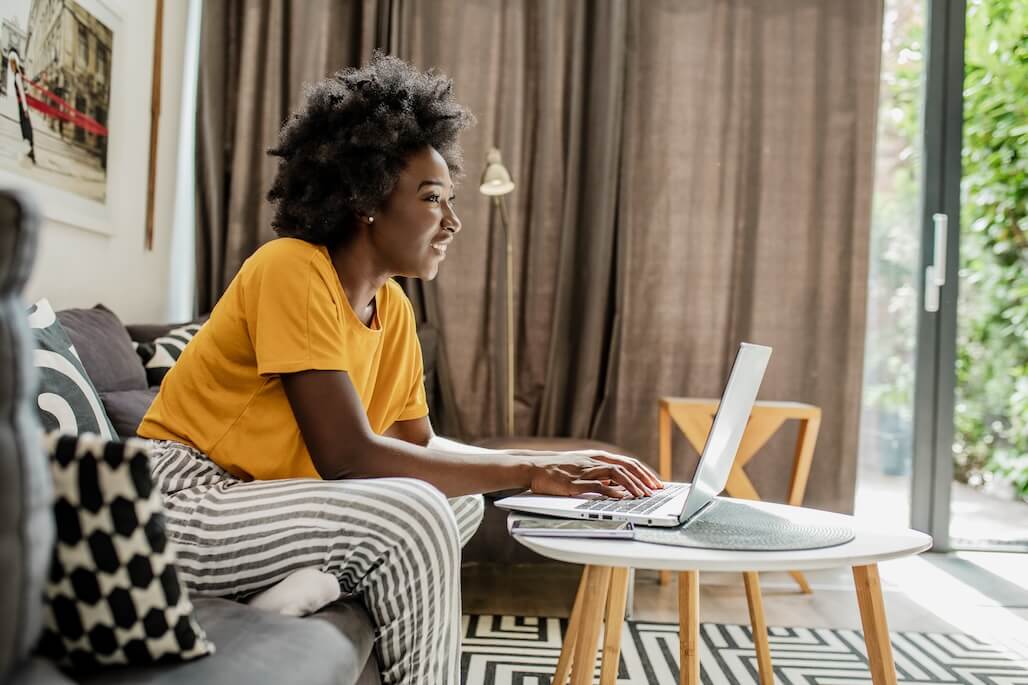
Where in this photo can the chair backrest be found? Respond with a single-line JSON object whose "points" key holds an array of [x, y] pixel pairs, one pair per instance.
{"points": [[26, 522]]}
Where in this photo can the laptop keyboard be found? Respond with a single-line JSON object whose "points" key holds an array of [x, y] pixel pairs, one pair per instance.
{"points": [[638, 505]]}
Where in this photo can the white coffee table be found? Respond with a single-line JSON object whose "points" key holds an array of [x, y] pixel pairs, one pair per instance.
{"points": [[604, 585]]}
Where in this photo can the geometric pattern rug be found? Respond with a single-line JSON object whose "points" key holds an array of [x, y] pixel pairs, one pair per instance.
{"points": [[523, 650]]}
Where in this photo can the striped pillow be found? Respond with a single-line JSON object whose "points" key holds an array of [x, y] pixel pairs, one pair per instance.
{"points": [[160, 355], [67, 400]]}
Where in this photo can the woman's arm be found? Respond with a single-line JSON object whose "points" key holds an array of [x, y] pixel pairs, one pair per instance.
{"points": [[342, 445], [420, 432]]}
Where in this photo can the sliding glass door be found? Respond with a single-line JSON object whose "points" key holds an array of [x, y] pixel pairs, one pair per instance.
{"points": [[944, 429], [970, 419]]}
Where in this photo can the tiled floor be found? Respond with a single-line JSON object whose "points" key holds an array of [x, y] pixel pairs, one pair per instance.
{"points": [[975, 516]]}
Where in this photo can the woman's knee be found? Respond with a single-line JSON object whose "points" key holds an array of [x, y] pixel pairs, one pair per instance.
{"points": [[425, 510], [468, 512]]}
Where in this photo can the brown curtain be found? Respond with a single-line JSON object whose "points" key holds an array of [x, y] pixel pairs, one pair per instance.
{"points": [[255, 56], [691, 173], [747, 198]]}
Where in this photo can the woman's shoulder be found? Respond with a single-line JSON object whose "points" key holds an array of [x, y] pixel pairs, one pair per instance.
{"points": [[286, 249], [284, 258]]}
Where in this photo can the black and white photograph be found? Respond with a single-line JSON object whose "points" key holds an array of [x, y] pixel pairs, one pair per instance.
{"points": [[55, 95]]}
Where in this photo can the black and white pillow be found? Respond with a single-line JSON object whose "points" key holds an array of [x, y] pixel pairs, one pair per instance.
{"points": [[160, 355], [68, 401], [114, 595]]}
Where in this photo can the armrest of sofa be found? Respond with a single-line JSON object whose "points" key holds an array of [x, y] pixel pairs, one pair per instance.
{"points": [[26, 519], [147, 332]]}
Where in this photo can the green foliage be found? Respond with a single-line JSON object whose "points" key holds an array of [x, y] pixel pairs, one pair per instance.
{"points": [[991, 417]]}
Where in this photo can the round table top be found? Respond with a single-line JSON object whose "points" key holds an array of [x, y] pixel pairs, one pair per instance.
{"points": [[871, 544]]}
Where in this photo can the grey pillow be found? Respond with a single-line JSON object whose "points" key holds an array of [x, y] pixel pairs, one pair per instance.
{"points": [[104, 346], [126, 408], [67, 399]]}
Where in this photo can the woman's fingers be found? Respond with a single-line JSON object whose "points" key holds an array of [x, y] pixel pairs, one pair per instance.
{"points": [[604, 472], [620, 475], [641, 471], [580, 487]]}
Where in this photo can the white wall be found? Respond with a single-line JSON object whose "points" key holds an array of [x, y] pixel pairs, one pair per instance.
{"points": [[79, 268]]}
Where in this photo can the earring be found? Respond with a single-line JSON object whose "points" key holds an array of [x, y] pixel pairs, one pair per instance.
{"points": [[371, 219]]}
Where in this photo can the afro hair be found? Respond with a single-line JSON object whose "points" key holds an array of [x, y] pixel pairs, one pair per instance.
{"points": [[342, 151]]}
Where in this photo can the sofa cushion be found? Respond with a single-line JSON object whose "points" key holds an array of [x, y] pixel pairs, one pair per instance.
{"points": [[113, 595], [26, 525], [38, 671], [67, 400], [104, 346], [159, 355], [257, 646], [126, 408]]}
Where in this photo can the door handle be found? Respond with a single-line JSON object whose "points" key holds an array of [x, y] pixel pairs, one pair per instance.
{"points": [[935, 273]]}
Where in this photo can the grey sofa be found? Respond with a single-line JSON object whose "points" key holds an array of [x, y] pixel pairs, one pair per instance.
{"points": [[253, 646]]}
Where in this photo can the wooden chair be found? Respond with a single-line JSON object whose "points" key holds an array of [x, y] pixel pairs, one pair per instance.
{"points": [[695, 416]]}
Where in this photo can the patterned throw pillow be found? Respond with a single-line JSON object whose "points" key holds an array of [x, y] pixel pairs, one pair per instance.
{"points": [[161, 354], [68, 402], [114, 595]]}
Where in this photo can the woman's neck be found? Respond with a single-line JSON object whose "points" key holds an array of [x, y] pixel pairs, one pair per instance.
{"points": [[360, 276]]}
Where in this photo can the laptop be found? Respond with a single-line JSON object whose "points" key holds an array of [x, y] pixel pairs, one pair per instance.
{"points": [[677, 503]]}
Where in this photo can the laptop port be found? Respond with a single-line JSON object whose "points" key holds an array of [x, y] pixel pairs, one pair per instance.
{"points": [[594, 516]]}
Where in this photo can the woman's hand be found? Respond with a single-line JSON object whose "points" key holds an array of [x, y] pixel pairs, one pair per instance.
{"points": [[576, 473]]}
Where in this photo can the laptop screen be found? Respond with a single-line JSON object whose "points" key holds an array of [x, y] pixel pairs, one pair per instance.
{"points": [[729, 424]]}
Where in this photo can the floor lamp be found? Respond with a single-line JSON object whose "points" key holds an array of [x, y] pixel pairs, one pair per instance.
{"points": [[496, 183]]}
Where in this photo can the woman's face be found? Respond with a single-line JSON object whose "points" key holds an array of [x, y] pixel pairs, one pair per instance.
{"points": [[418, 220]]}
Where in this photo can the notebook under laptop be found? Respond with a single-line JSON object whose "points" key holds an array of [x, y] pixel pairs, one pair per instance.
{"points": [[677, 503]]}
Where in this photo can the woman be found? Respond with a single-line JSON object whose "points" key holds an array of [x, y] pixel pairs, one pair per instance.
{"points": [[295, 450], [17, 87]]}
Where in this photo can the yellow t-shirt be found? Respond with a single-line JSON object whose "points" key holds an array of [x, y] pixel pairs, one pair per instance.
{"points": [[285, 311]]}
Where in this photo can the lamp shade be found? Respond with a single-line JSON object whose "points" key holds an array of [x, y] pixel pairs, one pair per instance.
{"points": [[495, 179]]}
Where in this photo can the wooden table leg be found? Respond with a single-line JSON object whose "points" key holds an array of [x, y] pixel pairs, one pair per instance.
{"points": [[689, 627], [583, 666], [876, 630], [612, 630], [759, 627], [567, 648]]}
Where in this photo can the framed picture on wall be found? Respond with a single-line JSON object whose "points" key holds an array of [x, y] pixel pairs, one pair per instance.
{"points": [[56, 99]]}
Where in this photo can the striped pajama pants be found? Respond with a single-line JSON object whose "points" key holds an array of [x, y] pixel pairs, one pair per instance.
{"points": [[394, 542]]}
